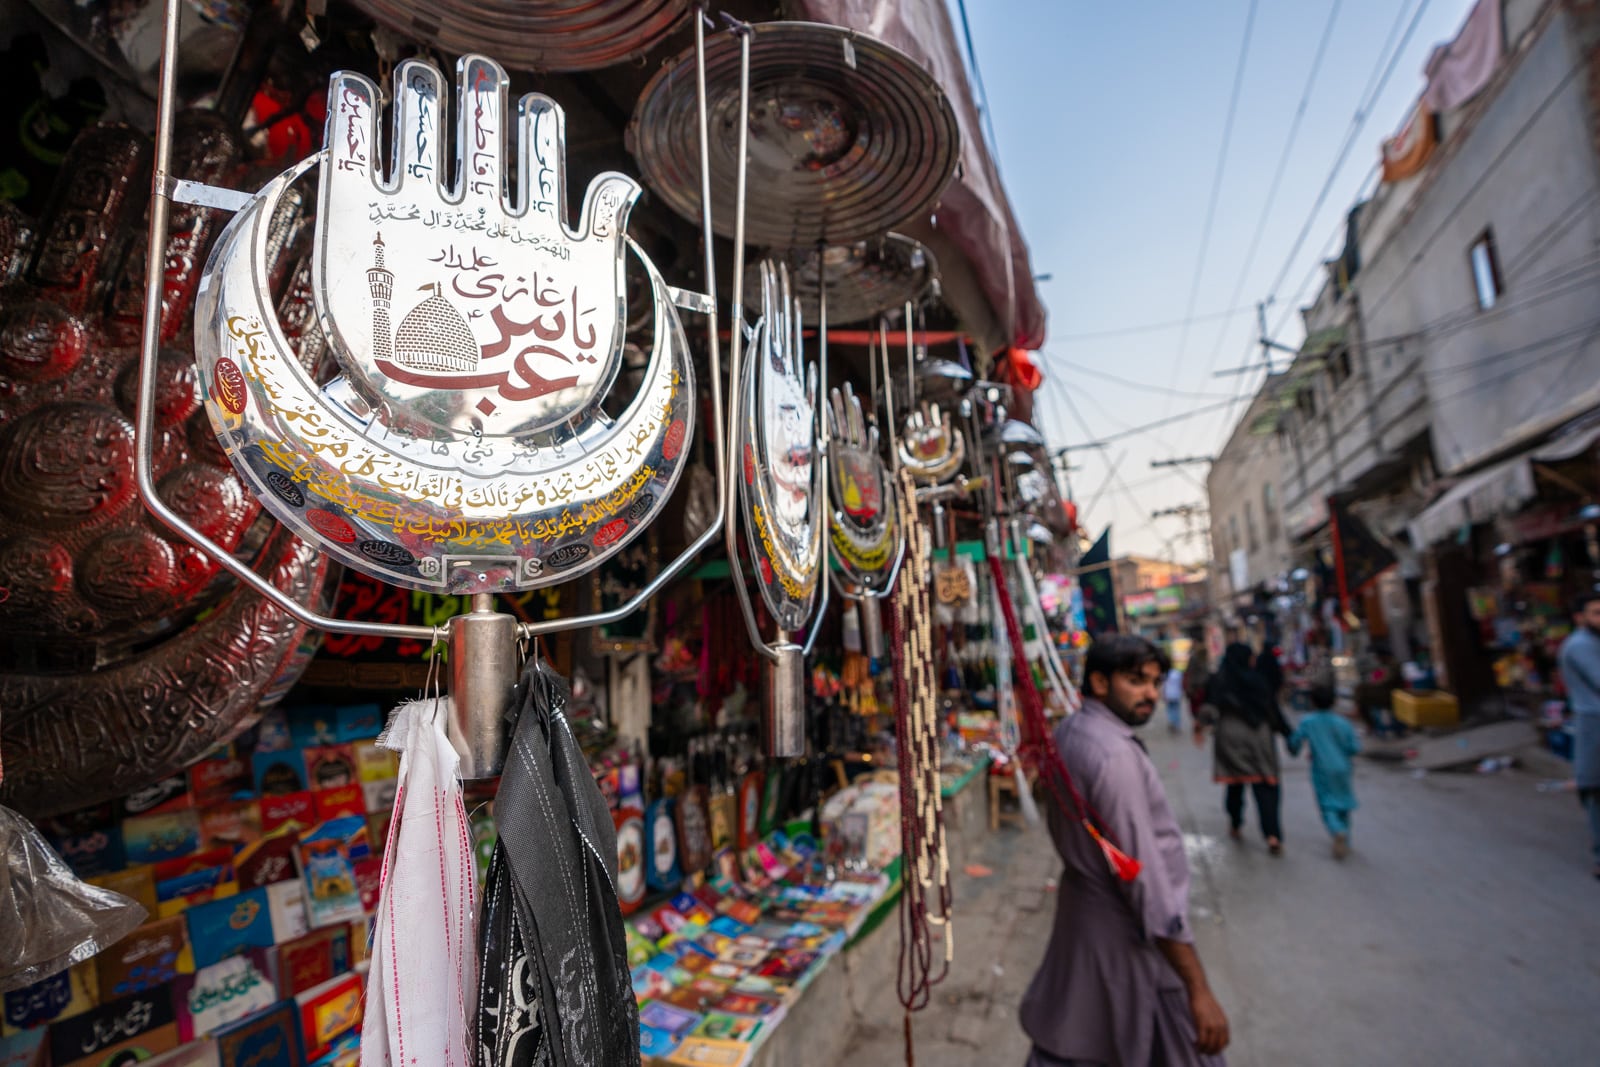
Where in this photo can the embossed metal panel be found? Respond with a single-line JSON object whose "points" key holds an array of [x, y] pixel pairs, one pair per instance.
{"points": [[848, 137], [463, 448], [862, 280]]}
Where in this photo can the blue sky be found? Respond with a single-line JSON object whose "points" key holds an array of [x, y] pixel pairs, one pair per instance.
{"points": [[1109, 119]]}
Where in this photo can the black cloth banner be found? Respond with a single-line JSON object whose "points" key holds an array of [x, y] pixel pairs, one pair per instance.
{"points": [[1358, 556], [1099, 587]]}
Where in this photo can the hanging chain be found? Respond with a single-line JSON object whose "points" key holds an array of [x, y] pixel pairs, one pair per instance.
{"points": [[925, 864]]}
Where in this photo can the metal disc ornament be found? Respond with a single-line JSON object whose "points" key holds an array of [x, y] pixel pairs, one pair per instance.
{"points": [[848, 137], [464, 448], [546, 35], [863, 280], [862, 529], [780, 482]]}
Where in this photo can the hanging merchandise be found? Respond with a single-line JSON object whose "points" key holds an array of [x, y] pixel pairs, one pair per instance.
{"points": [[556, 985], [423, 969], [631, 882], [661, 846], [1038, 744], [926, 900], [54, 919]]}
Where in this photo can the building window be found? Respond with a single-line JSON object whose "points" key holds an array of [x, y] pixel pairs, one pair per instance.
{"points": [[1306, 402], [1233, 531], [1486, 271], [1269, 510], [1339, 366], [1250, 526]]}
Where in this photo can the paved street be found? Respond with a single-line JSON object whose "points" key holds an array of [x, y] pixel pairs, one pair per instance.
{"points": [[1461, 931]]}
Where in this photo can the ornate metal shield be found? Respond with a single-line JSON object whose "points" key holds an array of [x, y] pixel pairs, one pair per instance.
{"points": [[866, 540], [463, 449], [776, 442]]}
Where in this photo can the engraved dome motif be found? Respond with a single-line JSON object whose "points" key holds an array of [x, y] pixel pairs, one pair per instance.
{"points": [[435, 337]]}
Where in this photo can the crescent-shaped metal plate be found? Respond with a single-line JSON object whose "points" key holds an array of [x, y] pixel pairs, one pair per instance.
{"points": [[455, 514], [776, 446]]}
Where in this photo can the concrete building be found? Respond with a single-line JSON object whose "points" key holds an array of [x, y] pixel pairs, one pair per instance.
{"points": [[1456, 331], [1244, 490]]}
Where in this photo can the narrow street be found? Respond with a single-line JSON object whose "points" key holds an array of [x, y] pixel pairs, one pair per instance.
{"points": [[1461, 930]]}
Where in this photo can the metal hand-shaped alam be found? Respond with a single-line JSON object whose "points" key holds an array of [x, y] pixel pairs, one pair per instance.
{"points": [[423, 467], [464, 448], [930, 447], [863, 530]]}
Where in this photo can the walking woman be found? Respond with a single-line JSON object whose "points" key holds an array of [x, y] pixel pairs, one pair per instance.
{"points": [[1243, 709]]}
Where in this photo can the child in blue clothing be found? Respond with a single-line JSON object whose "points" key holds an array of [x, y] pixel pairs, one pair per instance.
{"points": [[1333, 741]]}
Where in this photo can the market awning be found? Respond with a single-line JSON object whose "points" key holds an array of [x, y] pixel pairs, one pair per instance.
{"points": [[1570, 445], [1488, 494], [974, 210]]}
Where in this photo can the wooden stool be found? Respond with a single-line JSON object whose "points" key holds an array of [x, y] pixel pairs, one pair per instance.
{"points": [[1003, 785]]}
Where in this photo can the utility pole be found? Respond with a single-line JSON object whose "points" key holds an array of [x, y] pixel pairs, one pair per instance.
{"points": [[1268, 346], [1189, 513]]}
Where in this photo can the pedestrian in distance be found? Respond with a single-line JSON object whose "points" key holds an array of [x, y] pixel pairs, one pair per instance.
{"points": [[1172, 696], [1332, 742], [1121, 984], [1580, 673], [1242, 709]]}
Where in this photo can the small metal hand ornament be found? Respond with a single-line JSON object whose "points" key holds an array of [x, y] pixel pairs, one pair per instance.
{"points": [[863, 531], [931, 448]]}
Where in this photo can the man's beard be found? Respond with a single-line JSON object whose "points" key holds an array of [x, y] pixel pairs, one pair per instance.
{"points": [[1137, 715]]}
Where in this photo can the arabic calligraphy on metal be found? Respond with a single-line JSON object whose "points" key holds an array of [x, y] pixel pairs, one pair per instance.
{"points": [[464, 447]]}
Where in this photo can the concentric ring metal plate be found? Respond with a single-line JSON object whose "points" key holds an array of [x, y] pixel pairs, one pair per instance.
{"points": [[556, 35], [849, 138], [863, 279]]}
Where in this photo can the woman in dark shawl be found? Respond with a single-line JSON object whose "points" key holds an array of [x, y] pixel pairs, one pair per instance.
{"points": [[1241, 705]]}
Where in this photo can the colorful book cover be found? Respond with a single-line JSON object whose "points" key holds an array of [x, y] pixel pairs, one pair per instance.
{"points": [[25, 1048], [91, 854], [326, 859], [747, 1004], [223, 993], [312, 959], [269, 1039], [185, 876], [358, 722], [369, 881], [374, 764], [654, 1042], [727, 1027], [667, 1017], [221, 928], [648, 983], [272, 732], [728, 926], [686, 998], [379, 796], [266, 861], [279, 773], [217, 781], [202, 1053], [61, 996], [313, 724], [710, 1052], [328, 1011], [169, 794], [340, 802], [162, 836], [296, 812], [286, 902], [144, 1022], [230, 823], [330, 767], [146, 958]]}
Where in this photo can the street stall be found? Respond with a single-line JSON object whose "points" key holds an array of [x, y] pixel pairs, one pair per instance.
{"points": [[392, 654]]}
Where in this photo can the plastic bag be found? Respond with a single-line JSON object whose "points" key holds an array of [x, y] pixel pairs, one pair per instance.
{"points": [[63, 920]]}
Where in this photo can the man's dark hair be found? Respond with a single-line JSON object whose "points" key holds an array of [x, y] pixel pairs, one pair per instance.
{"points": [[1118, 653], [1322, 696], [1584, 599]]}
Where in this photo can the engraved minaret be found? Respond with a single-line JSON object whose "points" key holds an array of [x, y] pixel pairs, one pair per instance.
{"points": [[381, 282]]}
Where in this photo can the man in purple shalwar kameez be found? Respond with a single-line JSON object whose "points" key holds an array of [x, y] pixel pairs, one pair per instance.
{"points": [[1121, 984]]}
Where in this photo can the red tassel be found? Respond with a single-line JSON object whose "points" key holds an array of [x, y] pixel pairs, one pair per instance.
{"points": [[1123, 865]]}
